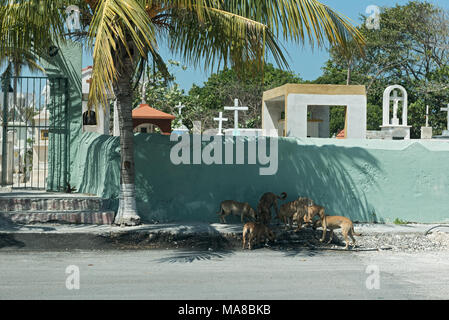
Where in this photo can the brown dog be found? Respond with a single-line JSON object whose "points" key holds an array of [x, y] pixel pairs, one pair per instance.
{"points": [[299, 216], [315, 210], [242, 209], [256, 231], [336, 222], [293, 211], [267, 201]]}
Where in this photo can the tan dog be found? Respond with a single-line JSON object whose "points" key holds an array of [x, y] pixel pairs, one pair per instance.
{"points": [[242, 209], [267, 201], [294, 211], [336, 222], [315, 210], [302, 205], [257, 232]]}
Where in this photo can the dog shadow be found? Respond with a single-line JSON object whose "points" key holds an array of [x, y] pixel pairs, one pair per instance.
{"points": [[304, 242]]}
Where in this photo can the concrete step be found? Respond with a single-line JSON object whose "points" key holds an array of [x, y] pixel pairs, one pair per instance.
{"points": [[68, 216], [52, 204]]}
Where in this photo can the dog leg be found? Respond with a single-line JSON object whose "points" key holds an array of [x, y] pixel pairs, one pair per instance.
{"points": [[331, 235], [345, 235], [299, 222], [244, 239], [324, 225], [352, 237], [251, 241], [323, 237]]}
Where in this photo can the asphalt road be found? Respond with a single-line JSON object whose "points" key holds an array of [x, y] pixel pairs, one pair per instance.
{"points": [[259, 274]]}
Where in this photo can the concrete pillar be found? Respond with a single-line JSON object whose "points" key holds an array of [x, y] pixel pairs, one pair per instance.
{"points": [[271, 115], [296, 116], [356, 117], [321, 113]]}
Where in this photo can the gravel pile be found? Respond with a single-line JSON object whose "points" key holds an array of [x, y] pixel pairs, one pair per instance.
{"points": [[405, 242], [437, 240]]}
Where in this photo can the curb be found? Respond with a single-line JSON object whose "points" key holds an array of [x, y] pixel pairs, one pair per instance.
{"points": [[121, 240], [161, 236]]}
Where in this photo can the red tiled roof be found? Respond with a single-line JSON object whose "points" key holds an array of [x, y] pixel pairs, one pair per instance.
{"points": [[341, 134], [144, 111], [87, 68]]}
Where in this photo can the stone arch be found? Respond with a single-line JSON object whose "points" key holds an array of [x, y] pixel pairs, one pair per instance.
{"points": [[386, 105]]}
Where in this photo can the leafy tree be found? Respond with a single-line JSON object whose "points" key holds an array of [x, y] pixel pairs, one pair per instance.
{"points": [[411, 49], [223, 87]]}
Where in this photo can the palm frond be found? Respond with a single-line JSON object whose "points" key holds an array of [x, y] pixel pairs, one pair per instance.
{"points": [[116, 22]]}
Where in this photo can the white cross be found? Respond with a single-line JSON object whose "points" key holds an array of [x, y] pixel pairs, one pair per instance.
{"points": [[447, 110], [220, 120], [427, 116], [396, 100], [180, 106], [236, 110]]}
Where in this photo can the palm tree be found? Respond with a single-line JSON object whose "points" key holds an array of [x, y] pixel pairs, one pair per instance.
{"points": [[124, 33]]}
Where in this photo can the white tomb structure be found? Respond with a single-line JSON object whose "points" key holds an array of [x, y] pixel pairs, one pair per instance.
{"points": [[426, 132], [181, 129], [285, 110], [40, 149], [395, 127], [446, 132], [220, 120], [102, 118], [248, 132], [19, 129]]}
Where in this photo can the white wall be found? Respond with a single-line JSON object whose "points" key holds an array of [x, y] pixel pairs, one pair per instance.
{"points": [[297, 113]]}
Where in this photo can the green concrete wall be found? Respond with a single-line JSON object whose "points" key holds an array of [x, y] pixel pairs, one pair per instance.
{"points": [[366, 180], [65, 124]]}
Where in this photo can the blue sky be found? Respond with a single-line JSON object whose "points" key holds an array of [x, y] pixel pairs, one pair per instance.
{"points": [[303, 60]]}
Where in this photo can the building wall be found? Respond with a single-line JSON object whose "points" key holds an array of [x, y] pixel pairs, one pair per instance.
{"points": [[271, 114], [67, 63], [297, 113], [366, 180]]}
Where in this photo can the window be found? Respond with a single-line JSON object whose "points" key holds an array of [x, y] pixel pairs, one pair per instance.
{"points": [[44, 134], [89, 118]]}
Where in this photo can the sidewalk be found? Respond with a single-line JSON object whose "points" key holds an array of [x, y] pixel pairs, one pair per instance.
{"points": [[189, 235]]}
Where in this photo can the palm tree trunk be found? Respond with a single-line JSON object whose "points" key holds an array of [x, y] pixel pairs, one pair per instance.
{"points": [[127, 213], [348, 75]]}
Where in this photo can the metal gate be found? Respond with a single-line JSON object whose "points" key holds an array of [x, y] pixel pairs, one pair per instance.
{"points": [[34, 131]]}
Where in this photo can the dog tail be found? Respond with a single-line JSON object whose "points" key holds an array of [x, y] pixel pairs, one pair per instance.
{"points": [[282, 196]]}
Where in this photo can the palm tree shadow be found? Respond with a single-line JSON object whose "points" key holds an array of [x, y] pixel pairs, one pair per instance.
{"points": [[190, 256], [204, 249]]}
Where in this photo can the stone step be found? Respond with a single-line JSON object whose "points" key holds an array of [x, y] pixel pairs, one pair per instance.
{"points": [[69, 216], [52, 204]]}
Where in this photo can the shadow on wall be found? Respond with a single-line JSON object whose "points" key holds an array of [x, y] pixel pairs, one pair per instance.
{"points": [[337, 178], [96, 168]]}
